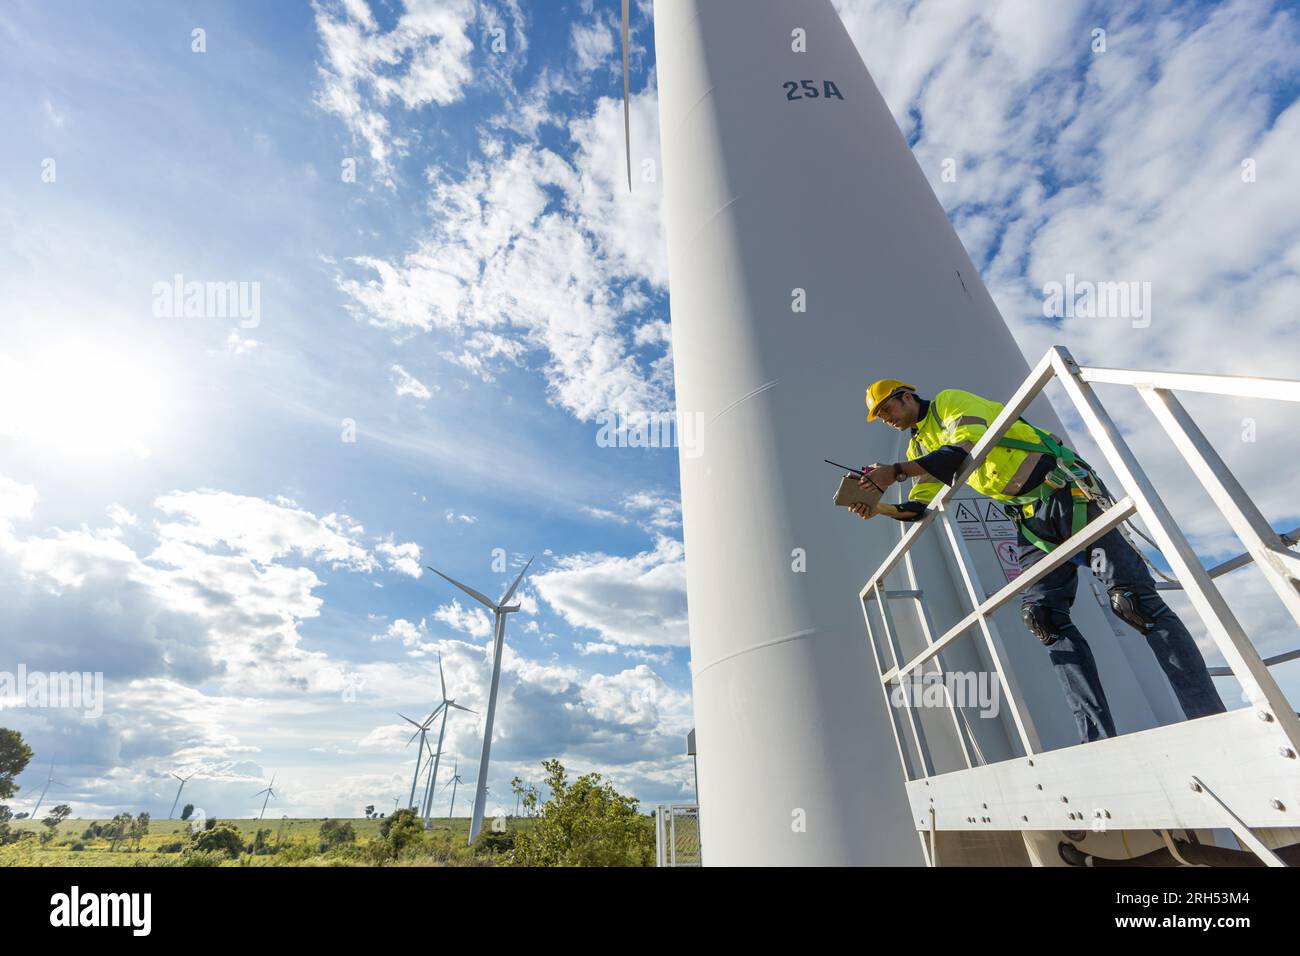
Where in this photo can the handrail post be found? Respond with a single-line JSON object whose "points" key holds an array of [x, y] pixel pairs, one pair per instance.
{"points": [[1020, 716]]}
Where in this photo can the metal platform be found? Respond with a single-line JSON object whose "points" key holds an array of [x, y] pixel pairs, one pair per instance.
{"points": [[1237, 770]]}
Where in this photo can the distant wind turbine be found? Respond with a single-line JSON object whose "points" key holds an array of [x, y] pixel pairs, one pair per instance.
{"points": [[499, 609], [446, 705], [422, 730], [49, 782], [455, 779], [270, 792], [172, 812]]}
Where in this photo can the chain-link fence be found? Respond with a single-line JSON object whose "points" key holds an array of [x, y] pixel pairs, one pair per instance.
{"points": [[677, 834]]}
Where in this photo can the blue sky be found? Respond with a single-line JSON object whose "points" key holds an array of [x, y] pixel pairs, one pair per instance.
{"points": [[179, 508]]}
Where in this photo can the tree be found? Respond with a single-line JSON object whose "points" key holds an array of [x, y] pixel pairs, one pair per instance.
{"points": [[56, 817], [139, 829], [221, 839], [401, 830], [586, 823], [188, 811], [370, 809], [118, 829], [6, 835], [336, 833], [261, 842], [14, 757]]}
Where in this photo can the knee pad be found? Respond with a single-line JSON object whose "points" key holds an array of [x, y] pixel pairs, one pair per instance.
{"points": [[1039, 620], [1130, 608]]}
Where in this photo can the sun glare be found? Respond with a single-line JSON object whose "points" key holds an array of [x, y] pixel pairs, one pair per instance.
{"points": [[83, 401]]}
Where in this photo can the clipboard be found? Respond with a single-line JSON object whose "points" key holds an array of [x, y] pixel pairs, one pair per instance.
{"points": [[851, 493]]}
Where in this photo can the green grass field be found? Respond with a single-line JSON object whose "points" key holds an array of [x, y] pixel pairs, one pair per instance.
{"points": [[297, 842]]}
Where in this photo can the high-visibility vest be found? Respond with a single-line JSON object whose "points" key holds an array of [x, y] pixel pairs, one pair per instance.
{"points": [[960, 418]]}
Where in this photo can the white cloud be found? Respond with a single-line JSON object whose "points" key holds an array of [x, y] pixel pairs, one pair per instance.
{"points": [[408, 384], [638, 698], [595, 648], [16, 500], [535, 252], [424, 59], [638, 601], [239, 346], [261, 530], [403, 630], [53, 115], [472, 620], [453, 517], [661, 512], [604, 514], [404, 558], [119, 515], [593, 44]]}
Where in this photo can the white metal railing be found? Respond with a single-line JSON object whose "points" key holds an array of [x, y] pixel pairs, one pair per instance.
{"points": [[1266, 548]]}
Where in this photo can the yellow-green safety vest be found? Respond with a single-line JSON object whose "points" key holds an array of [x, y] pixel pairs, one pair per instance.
{"points": [[960, 418]]}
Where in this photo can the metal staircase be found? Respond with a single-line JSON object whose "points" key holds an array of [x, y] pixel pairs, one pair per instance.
{"points": [[1238, 770]]}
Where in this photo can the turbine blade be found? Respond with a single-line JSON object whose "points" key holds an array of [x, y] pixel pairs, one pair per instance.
{"points": [[466, 709], [627, 116], [521, 573], [442, 678], [468, 590]]}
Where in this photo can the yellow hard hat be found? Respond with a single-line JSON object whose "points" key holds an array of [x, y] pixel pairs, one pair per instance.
{"points": [[878, 392]]}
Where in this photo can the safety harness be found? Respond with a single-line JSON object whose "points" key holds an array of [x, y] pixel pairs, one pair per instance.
{"points": [[1066, 471]]}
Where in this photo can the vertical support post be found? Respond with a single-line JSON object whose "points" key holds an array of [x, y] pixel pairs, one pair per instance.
{"points": [[884, 686], [1010, 686], [659, 835], [918, 732], [927, 631]]}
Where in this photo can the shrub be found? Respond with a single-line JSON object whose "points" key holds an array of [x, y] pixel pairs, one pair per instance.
{"points": [[223, 840], [334, 833], [585, 823]]}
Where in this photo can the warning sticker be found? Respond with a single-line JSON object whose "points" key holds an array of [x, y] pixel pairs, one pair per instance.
{"points": [[1006, 551], [969, 523], [997, 522]]}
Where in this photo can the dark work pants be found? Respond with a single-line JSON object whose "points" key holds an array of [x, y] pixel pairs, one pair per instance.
{"points": [[1119, 568]]}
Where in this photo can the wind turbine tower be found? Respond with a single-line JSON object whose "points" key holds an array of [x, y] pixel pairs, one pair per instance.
{"points": [[807, 256], [270, 792], [421, 731], [446, 705], [171, 814], [455, 779], [49, 782], [499, 610]]}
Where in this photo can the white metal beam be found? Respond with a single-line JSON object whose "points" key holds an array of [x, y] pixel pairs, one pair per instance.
{"points": [[1238, 386]]}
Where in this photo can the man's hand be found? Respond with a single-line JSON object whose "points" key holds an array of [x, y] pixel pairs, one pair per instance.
{"points": [[881, 476], [863, 511]]}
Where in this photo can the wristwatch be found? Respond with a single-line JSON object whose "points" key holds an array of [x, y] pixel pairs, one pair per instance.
{"points": [[899, 474]]}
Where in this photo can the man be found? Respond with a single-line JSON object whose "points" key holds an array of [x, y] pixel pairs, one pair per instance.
{"points": [[1050, 494]]}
